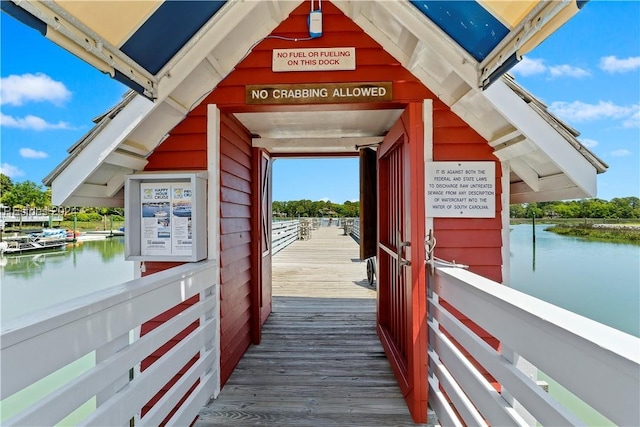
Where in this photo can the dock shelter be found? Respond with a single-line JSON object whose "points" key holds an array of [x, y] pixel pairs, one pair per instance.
{"points": [[418, 89]]}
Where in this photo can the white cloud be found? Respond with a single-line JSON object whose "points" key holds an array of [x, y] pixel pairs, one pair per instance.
{"points": [[620, 153], [589, 143], [633, 121], [612, 64], [10, 170], [16, 90], [581, 112], [529, 67], [29, 153], [325, 199], [30, 122], [568, 71]]}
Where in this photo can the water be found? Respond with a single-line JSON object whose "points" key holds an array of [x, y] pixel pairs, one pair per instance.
{"points": [[33, 282], [598, 280]]}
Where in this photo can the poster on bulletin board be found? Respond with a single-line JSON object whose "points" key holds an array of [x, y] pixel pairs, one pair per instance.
{"points": [[166, 226]]}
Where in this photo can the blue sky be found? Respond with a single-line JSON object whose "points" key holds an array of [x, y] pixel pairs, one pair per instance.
{"points": [[587, 73]]}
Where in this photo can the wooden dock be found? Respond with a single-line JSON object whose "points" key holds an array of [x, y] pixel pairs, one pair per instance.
{"points": [[320, 362]]}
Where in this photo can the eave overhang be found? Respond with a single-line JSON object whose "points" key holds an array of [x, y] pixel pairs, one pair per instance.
{"points": [[543, 167]]}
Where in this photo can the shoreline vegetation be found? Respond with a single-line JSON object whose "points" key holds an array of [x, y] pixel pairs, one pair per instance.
{"points": [[617, 231]]}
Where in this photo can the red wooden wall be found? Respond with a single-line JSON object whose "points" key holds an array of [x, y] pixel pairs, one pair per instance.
{"points": [[236, 236], [476, 242], [186, 149]]}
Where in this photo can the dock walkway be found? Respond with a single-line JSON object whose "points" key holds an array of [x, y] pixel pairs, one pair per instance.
{"points": [[320, 362]]}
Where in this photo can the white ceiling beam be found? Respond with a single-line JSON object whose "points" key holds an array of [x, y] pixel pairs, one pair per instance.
{"points": [[504, 137], [92, 190], [134, 148], [557, 187], [525, 173], [276, 11], [218, 68], [518, 147], [176, 105], [385, 41], [354, 9], [417, 58], [116, 183], [126, 160], [306, 144]]}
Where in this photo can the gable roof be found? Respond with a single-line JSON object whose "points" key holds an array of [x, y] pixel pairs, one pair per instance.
{"points": [[131, 41], [546, 160]]}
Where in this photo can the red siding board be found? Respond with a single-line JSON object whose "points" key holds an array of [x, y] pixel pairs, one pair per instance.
{"points": [[235, 254], [472, 238], [231, 181], [234, 196], [184, 142], [231, 210], [233, 240], [458, 135], [471, 255], [235, 225], [191, 124], [239, 345], [155, 267], [235, 168], [240, 280], [469, 223], [238, 309], [234, 133], [186, 160], [230, 150], [227, 272]]}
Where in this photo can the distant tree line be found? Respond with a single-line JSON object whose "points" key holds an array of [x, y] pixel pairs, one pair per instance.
{"points": [[320, 208], [622, 208], [27, 195], [23, 194]]}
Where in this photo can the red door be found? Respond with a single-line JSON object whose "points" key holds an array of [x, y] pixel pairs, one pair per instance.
{"points": [[261, 298], [402, 301]]}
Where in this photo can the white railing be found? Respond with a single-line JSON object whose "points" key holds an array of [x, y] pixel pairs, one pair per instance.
{"points": [[355, 229], [30, 218], [598, 364], [283, 233], [107, 324]]}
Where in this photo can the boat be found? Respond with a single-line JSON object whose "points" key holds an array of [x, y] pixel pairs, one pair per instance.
{"points": [[106, 233], [182, 211], [160, 214], [45, 240]]}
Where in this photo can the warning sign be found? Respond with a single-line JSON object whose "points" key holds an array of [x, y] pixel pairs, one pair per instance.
{"points": [[317, 59], [461, 189]]}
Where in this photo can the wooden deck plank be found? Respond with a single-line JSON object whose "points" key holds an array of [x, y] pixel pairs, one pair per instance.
{"points": [[320, 362]]}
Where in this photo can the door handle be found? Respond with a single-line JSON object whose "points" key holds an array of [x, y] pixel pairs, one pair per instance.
{"points": [[400, 245]]}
